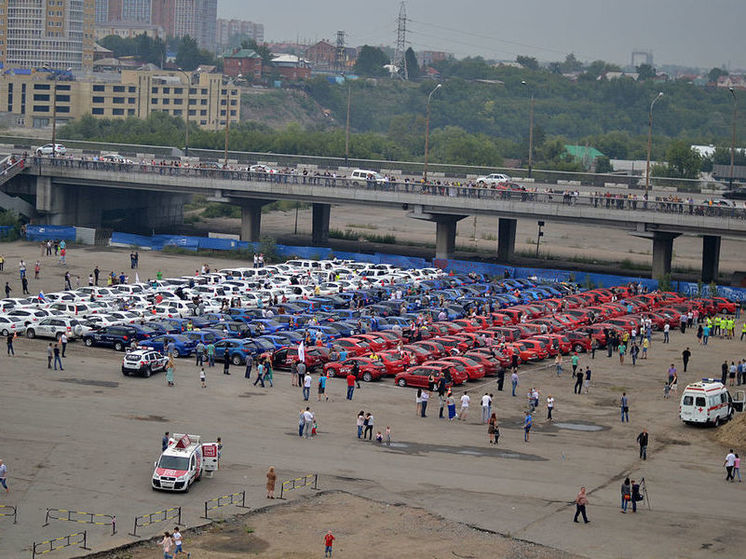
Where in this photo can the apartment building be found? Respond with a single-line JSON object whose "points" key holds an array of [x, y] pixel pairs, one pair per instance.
{"points": [[227, 28], [54, 33], [202, 97]]}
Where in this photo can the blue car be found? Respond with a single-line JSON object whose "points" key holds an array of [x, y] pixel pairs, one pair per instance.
{"points": [[268, 325], [118, 337], [205, 335], [174, 344]]}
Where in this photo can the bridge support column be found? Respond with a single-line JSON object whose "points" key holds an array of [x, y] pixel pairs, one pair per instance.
{"points": [[445, 236], [251, 219], [506, 229], [320, 224], [710, 258], [662, 253]]}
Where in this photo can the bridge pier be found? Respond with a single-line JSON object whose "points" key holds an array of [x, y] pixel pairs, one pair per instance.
{"points": [[710, 258], [662, 253], [251, 219], [506, 229], [445, 235], [320, 224]]}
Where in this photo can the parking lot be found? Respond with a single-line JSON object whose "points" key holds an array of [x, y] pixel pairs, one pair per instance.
{"points": [[85, 439]]}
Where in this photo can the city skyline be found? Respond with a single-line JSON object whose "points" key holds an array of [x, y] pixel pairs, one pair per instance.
{"points": [[600, 29]]}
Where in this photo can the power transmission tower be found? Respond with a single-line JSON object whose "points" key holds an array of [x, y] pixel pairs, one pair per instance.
{"points": [[339, 54], [400, 59]]}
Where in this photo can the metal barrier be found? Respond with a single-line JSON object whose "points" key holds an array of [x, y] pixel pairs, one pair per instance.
{"points": [[143, 520], [14, 512], [299, 482], [225, 500], [83, 542], [91, 518]]}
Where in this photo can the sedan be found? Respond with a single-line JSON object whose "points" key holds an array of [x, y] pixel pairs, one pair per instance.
{"points": [[368, 369]]}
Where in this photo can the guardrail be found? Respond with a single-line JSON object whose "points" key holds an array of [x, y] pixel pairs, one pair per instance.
{"points": [[82, 542], [14, 512], [91, 518], [224, 501], [298, 483], [174, 513]]}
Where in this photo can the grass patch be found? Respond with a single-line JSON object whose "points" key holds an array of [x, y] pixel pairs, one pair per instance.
{"points": [[191, 219], [217, 209], [488, 237], [349, 235], [361, 226], [285, 206]]}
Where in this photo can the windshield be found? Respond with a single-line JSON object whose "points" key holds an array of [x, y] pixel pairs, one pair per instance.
{"points": [[173, 463]]}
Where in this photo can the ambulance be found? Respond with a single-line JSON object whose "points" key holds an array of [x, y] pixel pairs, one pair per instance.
{"points": [[706, 402], [183, 462]]}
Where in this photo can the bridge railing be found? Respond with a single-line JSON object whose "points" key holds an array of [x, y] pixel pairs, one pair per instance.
{"points": [[601, 200]]}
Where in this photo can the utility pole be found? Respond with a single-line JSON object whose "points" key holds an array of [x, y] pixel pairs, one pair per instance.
{"points": [[339, 53], [347, 125], [733, 138], [427, 129], [650, 140], [400, 59]]}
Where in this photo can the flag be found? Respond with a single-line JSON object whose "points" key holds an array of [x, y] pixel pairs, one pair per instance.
{"points": [[302, 352], [41, 297], [137, 278]]}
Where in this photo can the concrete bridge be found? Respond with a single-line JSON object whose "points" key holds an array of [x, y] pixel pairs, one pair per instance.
{"points": [[74, 191]]}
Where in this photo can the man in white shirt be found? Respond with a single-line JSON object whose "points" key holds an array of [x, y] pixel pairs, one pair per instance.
{"points": [[730, 461], [307, 423], [307, 386], [465, 401], [486, 407]]}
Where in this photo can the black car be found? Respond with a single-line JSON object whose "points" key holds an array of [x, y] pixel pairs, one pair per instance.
{"points": [[118, 337]]}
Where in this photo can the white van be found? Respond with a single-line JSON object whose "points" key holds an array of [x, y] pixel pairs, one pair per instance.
{"points": [[359, 176], [706, 401]]}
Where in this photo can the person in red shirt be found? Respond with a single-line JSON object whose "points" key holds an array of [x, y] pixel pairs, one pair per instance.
{"points": [[351, 380], [328, 542]]}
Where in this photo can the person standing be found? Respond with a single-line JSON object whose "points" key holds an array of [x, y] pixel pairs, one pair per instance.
{"points": [[203, 377], [199, 353], [626, 491], [351, 379], [685, 356], [730, 462], [164, 441], [550, 403], [578, 388], [369, 422], [10, 337], [307, 423], [451, 405], [464, 411], [514, 381], [500, 379], [271, 480], [226, 362], [328, 543], [360, 424], [671, 373], [558, 363], [211, 354], [7, 290], [63, 343], [4, 477], [492, 428], [170, 371], [666, 329], [57, 359], [307, 386], [642, 440], [50, 354], [527, 423], [24, 285], [636, 497], [587, 382], [486, 407], [581, 502], [624, 405], [322, 386], [574, 360], [425, 399]]}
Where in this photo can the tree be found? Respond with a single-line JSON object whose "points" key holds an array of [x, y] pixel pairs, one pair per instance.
{"points": [[645, 72], [571, 64], [603, 164], [528, 62], [683, 161], [371, 62], [715, 74], [413, 68], [262, 50], [188, 56]]}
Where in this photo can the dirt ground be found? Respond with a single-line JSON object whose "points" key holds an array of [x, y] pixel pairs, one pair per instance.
{"points": [[363, 528]]}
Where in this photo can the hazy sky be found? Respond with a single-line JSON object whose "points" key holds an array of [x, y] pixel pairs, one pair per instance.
{"points": [[702, 33]]}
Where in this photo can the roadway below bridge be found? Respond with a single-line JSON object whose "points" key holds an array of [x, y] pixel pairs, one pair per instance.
{"points": [[75, 192]]}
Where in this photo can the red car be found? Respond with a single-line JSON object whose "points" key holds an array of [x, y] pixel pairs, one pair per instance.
{"points": [[579, 340], [542, 348], [394, 361], [473, 369], [451, 342], [525, 354], [352, 346], [500, 319], [418, 376], [374, 341], [436, 350], [492, 355], [490, 363], [315, 357], [419, 353], [369, 369]]}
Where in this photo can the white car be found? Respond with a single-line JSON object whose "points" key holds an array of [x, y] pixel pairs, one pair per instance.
{"points": [[262, 169], [11, 324], [28, 315], [46, 149], [54, 327], [494, 179], [143, 362], [115, 158]]}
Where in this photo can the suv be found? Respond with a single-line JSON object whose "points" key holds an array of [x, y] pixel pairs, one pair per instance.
{"points": [[47, 149], [118, 337], [494, 179], [359, 176], [143, 362], [55, 326]]}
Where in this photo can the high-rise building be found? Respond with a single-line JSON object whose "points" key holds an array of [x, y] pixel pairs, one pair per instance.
{"points": [[227, 28], [195, 18], [55, 33], [102, 11]]}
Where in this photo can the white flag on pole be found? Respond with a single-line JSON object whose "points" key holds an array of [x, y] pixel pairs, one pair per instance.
{"points": [[302, 352]]}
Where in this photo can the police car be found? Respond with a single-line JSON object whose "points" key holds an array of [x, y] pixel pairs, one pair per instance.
{"points": [[143, 362]]}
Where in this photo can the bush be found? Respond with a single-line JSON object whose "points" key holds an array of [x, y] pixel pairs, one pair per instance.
{"points": [[216, 209]]}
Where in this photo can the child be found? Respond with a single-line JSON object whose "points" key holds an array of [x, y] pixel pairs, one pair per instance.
{"points": [[328, 542], [176, 536], [388, 435], [379, 437], [313, 429], [666, 391], [202, 377]]}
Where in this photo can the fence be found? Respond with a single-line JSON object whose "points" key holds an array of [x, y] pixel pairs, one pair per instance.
{"points": [[224, 501], [14, 512], [298, 483], [82, 542], [91, 518], [143, 520]]}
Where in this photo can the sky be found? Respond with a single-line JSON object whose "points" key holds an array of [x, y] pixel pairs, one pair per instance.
{"points": [[694, 33]]}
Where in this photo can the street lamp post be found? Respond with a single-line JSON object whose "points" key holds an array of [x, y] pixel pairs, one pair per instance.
{"points": [[186, 115], [427, 129], [347, 124], [650, 140], [530, 132], [733, 138], [227, 120]]}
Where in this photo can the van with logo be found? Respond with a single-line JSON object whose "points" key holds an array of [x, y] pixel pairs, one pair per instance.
{"points": [[706, 402], [360, 176], [183, 462]]}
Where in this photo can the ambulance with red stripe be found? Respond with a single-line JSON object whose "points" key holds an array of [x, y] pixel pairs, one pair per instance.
{"points": [[183, 462], [706, 402]]}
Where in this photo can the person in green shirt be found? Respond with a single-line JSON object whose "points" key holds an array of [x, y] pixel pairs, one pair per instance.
{"points": [[210, 354], [159, 275], [574, 362]]}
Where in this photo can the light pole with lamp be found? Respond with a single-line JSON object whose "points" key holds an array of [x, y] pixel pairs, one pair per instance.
{"points": [[733, 138], [186, 115], [54, 77], [427, 129], [347, 124], [650, 140], [227, 120], [530, 131]]}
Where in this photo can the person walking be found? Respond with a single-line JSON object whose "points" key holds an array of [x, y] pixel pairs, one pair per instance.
{"points": [[7, 289], [57, 359], [268, 373], [271, 480], [730, 462], [574, 360], [587, 381], [322, 386], [9, 339], [203, 377], [685, 356], [464, 411], [167, 543], [578, 383], [581, 502], [4, 477], [642, 440], [368, 423], [737, 468], [259, 374], [492, 429], [308, 418], [626, 491], [527, 423], [249, 366], [624, 405], [550, 402]]}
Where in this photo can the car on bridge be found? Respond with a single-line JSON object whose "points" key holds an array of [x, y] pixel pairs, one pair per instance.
{"points": [[46, 149], [494, 179]]}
